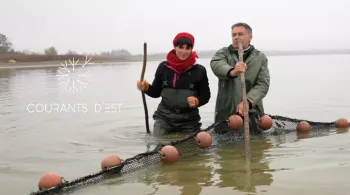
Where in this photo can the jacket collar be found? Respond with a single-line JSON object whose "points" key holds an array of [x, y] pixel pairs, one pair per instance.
{"points": [[248, 53]]}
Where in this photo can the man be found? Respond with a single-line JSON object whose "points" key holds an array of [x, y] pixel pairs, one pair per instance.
{"points": [[226, 67]]}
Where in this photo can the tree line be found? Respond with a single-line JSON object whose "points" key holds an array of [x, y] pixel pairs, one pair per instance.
{"points": [[9, 54]]}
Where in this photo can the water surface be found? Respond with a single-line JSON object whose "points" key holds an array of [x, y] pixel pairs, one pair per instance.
{"points": [[108, 118]]}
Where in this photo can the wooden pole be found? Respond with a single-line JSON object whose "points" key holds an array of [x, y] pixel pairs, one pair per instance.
{"points": [[246, 122], [142, 76], [245, 104]]}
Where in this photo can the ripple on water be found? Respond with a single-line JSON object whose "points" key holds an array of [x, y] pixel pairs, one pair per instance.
{"points": [[62, 142]]}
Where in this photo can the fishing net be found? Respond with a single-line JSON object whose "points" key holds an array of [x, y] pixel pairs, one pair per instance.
{"points": [[186, 147]]}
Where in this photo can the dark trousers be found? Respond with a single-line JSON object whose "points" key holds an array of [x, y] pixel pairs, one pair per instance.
{"points": [[163, 127], [253, 124]]}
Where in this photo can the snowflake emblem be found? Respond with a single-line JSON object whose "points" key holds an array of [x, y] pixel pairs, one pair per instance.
{"points": [[70, 78]]}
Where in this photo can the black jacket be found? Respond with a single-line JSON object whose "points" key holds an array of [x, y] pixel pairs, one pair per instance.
{"points": [[175, 88]]}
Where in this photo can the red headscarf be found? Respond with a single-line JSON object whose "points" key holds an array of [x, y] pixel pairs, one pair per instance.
{"points": [[177, 64]]}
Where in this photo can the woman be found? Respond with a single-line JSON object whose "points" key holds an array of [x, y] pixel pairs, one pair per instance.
{"points": [[183, 86]]}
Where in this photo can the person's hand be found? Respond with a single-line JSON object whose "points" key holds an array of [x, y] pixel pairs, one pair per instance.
{"points": [[240, 108], [193, 101], [142, 86], [239, 68]]}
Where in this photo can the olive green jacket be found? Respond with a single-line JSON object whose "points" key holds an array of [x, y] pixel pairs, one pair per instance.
{"points": [[229, 89]]}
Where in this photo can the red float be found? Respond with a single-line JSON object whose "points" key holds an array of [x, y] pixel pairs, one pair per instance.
{"points": [[265, 122], [342, 123], [110, 161], [303, 127], [235, 122], [49, 180], [169, 154], [204, 139]]}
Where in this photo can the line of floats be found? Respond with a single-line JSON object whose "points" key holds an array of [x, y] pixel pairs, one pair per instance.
{"points": [[169, 153]]}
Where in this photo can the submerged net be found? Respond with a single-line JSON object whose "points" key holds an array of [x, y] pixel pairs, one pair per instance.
{"points": [[186, 147]]}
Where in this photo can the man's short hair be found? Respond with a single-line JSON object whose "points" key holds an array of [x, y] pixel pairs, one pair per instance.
{"points": [[246, 26]]}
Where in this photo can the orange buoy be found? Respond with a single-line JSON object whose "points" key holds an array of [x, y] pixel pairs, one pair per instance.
{"points": [[303, 126], [265, 122], [342, 123], [235, 122], [204, 139], [169, 154], [110, 161], [49, 180]]}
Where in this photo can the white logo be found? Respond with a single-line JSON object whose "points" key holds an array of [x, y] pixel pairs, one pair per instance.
{"points": [[71, 79]]}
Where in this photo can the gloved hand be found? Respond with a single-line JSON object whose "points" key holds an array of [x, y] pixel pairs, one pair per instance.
{"points": [[142, 86], [193, 101]]}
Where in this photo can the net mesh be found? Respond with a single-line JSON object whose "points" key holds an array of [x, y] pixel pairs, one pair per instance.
{"points": [[186, 147]]}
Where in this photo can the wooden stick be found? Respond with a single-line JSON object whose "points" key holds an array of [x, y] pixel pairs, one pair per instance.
{"points": [[246, 122], [142, 76], [245, 104]]}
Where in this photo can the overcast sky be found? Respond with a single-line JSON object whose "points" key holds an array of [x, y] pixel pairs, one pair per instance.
{"points": [[101, 25]]}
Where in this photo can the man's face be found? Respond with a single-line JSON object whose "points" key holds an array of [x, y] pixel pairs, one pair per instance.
{"points": [[240, 32]]}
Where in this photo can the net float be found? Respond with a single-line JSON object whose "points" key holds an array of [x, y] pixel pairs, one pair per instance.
{"points": [[342, 123], [265, 122], [284, 123], [110, 161], [235, 122], [204, 139], [49, 180], [303, 127], [169, 154]]}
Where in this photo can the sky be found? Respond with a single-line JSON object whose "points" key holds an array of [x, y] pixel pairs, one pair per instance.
{"points": [[94, 26]]}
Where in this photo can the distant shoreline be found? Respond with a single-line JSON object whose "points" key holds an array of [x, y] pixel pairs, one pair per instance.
{"points": [[139, 58], [57, 63]]}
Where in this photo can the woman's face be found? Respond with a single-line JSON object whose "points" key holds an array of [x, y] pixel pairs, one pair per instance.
{"points": [[183, 52]]}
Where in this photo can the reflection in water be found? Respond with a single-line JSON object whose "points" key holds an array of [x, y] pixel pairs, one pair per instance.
{"points": [[342, 130], [220, 167], [190, 174], [5, 78], [50, 72], [233, 171], [316, 132], [6, 97], [7, 73], [301, 135], [223, 167]]}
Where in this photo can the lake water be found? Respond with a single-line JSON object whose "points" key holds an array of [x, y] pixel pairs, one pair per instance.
{"points": [[39, 132]]}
